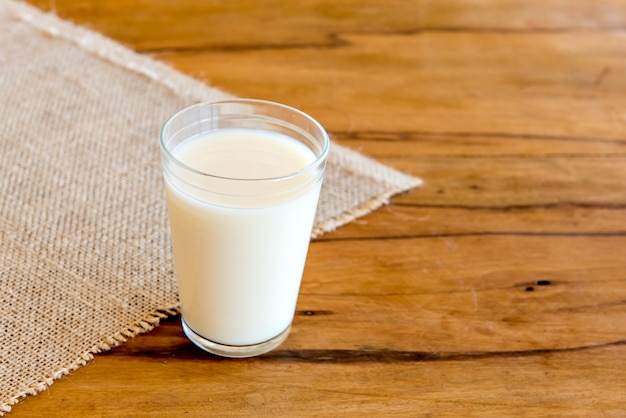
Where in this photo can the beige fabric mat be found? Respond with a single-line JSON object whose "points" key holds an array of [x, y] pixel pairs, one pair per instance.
{"points": [[85, 260]]}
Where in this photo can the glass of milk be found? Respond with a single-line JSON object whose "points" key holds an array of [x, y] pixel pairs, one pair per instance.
{"points": [[242, 180]]}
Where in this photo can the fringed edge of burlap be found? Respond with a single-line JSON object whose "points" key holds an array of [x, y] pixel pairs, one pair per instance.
{"points": [[147, 324], [353, 161]]}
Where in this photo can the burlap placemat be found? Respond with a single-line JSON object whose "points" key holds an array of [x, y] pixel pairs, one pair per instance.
{"points": [[85, 260]]}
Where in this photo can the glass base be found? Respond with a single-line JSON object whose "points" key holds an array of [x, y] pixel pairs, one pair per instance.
{"points": [[234, 351]]}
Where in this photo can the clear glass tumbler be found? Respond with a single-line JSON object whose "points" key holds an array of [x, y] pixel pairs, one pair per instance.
{"points": [[242, 179]]}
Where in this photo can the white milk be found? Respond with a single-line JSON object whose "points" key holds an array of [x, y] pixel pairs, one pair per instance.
{"points": [[239, 268]]}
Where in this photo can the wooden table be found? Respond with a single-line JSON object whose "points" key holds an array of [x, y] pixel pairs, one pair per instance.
{"points": [[497, 289]]}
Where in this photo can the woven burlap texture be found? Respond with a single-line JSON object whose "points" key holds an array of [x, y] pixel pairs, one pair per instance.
{"points": [[85, 261]]}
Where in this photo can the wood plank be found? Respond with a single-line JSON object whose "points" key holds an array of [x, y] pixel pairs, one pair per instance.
{"points": [[465, 293], [435, 83], [316, 22], [417, 219], [517, 384], [394, 144], [510, 182]]}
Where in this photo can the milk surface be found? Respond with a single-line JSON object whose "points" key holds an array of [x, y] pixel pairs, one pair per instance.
{"points": [[239, 265]]}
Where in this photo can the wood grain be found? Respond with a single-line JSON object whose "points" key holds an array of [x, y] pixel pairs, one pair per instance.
{"points": [[497, 289]]}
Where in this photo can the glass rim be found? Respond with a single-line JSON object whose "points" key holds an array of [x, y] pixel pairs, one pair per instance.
{"points": [[319, 157]]}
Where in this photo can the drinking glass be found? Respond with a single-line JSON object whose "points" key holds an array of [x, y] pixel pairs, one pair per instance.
{"points": [[242, 180]]}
